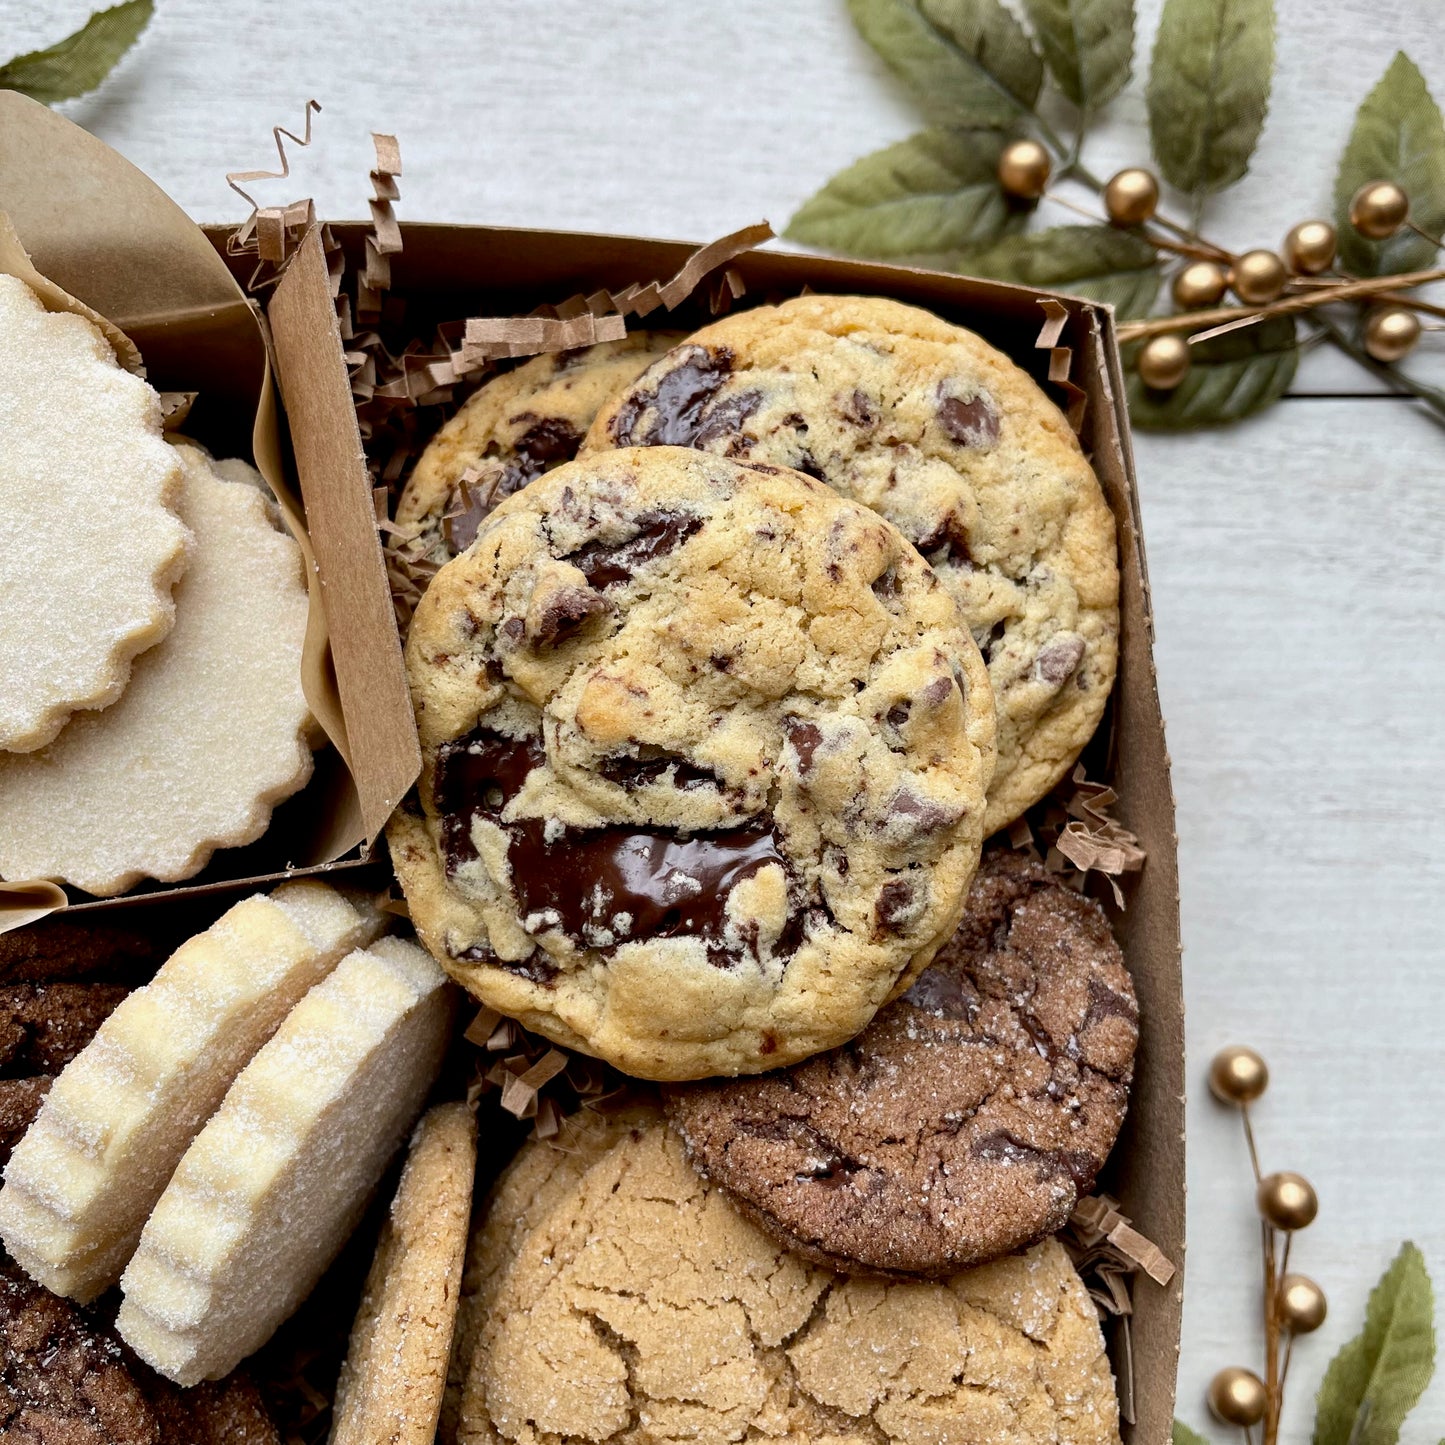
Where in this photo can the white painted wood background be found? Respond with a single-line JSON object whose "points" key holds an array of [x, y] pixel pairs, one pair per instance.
{"points": [[1296, 560]]}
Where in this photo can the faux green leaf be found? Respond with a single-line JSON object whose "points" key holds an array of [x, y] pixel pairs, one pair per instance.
{"points": [[1398, 136], [81, 61], [1088, 46], [1183, 1435], [1209, 89], [1098, 261], [1375, 1380], [969, 61], [1231, 377], [935, 192]]}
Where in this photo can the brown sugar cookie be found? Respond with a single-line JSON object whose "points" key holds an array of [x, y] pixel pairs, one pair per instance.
{"points": [[642, 1306], [66, 1379], [391, 1383], [967, 1119]]}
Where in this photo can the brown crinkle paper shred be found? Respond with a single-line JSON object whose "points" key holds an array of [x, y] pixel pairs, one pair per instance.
{"points": [[537, 1080], [1074, 833], [1108, 1252]]}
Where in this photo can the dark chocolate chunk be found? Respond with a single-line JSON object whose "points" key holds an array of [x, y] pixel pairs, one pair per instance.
{"points": [[925, 814], [858, 409], [886, 585], [805, 737], [895, 901], [948, 535], [973, 422], [649, 766], [674, 390], [1060, 658], [547, 443], [944, 994], [606, 564], [609, 886], [478, 773], [726, 420], [566, 611]]}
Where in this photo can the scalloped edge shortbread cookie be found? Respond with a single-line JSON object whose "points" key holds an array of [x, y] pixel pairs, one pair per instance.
{"points": [[89, 492], [211, 733]]}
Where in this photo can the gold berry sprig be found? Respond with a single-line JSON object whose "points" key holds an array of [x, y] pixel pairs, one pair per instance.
{"points": [[1304, 276]]}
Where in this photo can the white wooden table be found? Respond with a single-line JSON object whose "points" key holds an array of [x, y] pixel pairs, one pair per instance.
{"points": [[1296, 560]]}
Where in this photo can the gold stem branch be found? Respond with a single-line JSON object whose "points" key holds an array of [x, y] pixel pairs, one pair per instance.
{"points": [[1303, 301]]}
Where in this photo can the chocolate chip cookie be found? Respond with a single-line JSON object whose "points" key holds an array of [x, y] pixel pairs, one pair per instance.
{"points": [[949, 440], [644, 1307], [514, 428], [704, 754], [970, 1115]]}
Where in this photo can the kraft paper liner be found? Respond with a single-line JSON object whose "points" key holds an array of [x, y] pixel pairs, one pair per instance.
{"points": [[153, 283]]}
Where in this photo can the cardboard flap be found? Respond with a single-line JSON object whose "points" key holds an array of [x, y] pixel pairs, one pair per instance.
{"points": [[384, 754]]}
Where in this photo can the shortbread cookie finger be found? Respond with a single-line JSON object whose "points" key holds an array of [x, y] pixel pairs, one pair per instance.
{"points": [[81, 1182], [391, 1383], [93, 544], [514, 428], [211, 732], [272, 1186]]}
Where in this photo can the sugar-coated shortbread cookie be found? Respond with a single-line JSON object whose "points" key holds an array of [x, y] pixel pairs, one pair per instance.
{"points": [[276, 1181], [948, 439], [210, 734], [512, 429], [704, 754], [643, 1306], [82, 1181], [391, 1382], [967, 1119], [89, 492]]}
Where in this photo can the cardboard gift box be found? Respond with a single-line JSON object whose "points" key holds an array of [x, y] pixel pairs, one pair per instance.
{"points": [[103, 232]]}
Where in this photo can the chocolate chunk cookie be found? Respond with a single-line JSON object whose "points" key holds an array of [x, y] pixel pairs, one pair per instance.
{"points": [[969, 1116], [949, 440], [643, 1307], [514, 428], [704, 753], [66, 1379]]}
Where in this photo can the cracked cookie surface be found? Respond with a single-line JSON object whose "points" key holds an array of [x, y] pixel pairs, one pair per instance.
{"points": [[704, 755], [943, 435], [967, 1119], [511, 429], [643, 1307]]}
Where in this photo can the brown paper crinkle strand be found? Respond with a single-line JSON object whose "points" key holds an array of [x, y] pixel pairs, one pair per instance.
{"points": [[271, 233], [538, 1081], [1108, 1252], [1061, 361], [1076, 835]]}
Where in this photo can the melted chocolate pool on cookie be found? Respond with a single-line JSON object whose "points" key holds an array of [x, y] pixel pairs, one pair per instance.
{"points": [[602, 887]]}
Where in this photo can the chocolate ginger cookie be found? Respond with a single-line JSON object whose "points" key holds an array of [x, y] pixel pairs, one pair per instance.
{"points": [[704, 753], [511, 429], [930, 426], [967, 1119]]}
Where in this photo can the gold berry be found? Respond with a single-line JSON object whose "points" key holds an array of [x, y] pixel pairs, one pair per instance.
{"points": [[1288, 1201], [1131, 197], [1237, 1397], [1023, 169], [1200, 284], [1163, 362], [1391, 332], [1310, 247], [1378, 210], [1302, 1304], [1238, 1075], [1259, 277]]}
